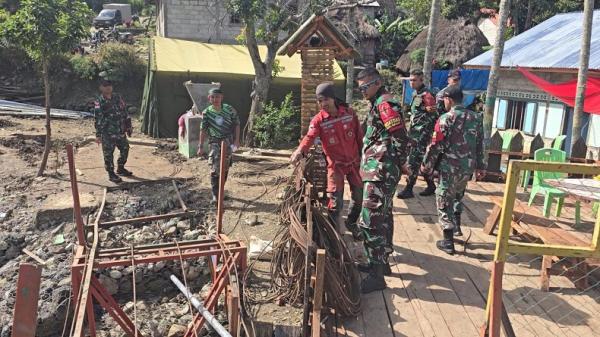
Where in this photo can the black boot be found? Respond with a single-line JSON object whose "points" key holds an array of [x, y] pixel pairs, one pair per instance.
{"points": [[430, 190], [113, 177], [407, 193], [367, 267], [457, 231], [374, 281], [447, 245], [123, 172]]}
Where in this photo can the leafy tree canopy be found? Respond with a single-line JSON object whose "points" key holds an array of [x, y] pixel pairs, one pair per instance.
{"points": [[47, 27]]}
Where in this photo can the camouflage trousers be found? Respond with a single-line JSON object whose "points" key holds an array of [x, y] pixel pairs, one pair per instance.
{"points": [[109, 142], [449, 194], [214, 159], [418, 147], [376, 220]]}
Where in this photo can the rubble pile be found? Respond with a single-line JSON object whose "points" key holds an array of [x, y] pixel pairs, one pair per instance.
{"points": [[161, 310]]}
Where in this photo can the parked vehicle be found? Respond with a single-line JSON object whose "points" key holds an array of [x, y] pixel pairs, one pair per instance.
{"points": [[108, 18], [125, 10]]}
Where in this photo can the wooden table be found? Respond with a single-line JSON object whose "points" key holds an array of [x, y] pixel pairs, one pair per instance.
{"points": [[586, 190], [580, 189]]}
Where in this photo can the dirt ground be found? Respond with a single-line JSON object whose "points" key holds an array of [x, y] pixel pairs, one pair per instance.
{"points": [[33, 215]]}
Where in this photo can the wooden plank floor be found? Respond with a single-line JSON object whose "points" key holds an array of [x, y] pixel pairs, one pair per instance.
{"points": [[431, 293]]}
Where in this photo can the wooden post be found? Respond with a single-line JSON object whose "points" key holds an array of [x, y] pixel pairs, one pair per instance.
{"points": [[233, 304], [495, 155], [516, 146], [318, 290], [222, 171], [307, 261]]}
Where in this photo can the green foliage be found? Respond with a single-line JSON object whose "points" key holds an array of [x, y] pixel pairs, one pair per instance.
{"points": [[278, 126], [418, 56], [395, 35], [84, 67], [44, 28], [277, 68], [120, 62], [417, 9]]}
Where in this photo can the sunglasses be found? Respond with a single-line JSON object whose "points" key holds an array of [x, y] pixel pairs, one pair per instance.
{"points": [[366, 86]]}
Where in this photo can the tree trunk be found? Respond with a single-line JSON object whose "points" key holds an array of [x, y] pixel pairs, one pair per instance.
{"points": [[350, 81], [584, 60], [430, 47], [529, 18], [48, 141], [262, 81], [490, 98], [261, 91]]}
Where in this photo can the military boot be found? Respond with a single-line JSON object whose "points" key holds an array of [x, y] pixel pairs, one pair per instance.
{"points": [[447, 245], [123, 172], [367, 267], [430, 190], [374, 281], [407, 193], [113, 177], [457, 231]]}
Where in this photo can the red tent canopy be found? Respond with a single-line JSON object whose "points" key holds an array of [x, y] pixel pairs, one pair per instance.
{"points": [[566, 91]]}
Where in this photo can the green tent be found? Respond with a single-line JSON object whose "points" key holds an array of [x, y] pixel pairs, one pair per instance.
{"points": [[173, 62]]}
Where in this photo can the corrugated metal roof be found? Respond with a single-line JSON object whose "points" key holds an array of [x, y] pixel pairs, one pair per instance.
{"points": [[554, 43]]}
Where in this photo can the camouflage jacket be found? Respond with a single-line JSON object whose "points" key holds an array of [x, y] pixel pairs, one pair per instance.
{"points": [[457, 143], [422, 120], [110, 115], [385, 141]]}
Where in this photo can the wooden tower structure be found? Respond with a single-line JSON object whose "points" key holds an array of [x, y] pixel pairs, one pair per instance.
{"points": [[319, 42]]}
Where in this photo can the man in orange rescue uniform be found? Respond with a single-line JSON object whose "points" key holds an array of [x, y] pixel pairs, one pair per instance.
{"points": [[340, 132]]}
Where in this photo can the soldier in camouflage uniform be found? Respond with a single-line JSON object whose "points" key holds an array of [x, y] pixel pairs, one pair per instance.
{"points": [[220, 122], [384, 152], [422, 119], [112, 128], [456, 151]]}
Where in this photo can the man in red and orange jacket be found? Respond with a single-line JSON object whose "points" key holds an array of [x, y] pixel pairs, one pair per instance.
{"points": [[341, 136]]}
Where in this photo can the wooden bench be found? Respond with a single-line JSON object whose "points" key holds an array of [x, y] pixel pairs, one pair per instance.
{"points": [[530, 223]]}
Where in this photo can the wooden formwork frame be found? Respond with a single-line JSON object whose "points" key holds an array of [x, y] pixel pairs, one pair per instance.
{"points": [[494, 307], [87, 259]]}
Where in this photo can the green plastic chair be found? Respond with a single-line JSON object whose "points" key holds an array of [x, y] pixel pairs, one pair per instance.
{"points": [[558, 142], [549, 192], [507, 137]]}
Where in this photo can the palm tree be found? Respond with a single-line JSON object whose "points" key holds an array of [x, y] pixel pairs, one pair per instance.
{"points": [[430, 47], [492, 88], [584, 60]]}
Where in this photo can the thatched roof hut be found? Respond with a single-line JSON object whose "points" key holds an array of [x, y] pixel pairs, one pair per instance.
{"points": [[456, 42], [351, 20]]}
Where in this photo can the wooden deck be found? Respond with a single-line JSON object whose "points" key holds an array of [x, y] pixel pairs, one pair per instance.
{"points": [[434, 294]]}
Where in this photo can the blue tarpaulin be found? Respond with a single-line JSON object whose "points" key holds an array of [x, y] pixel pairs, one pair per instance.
{"points": [[472, 82]]}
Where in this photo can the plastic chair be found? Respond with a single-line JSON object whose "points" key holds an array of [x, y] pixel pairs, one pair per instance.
{"points": [[549, 192], [558, 142], [507, 137]]}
